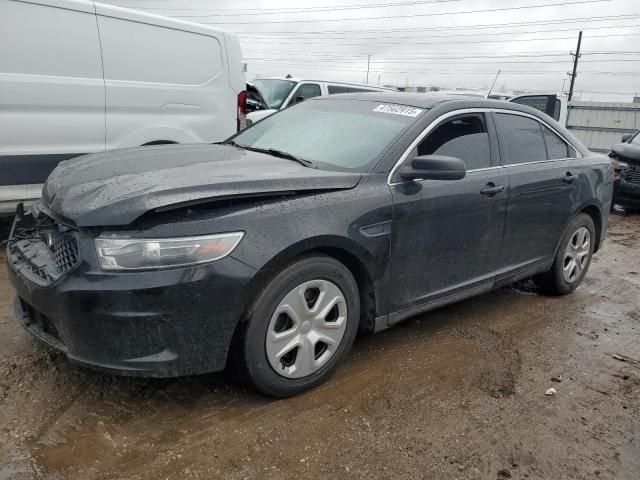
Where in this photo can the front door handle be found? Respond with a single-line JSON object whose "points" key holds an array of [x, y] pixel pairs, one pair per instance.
{"points": [[491, 189], [568, 178]]}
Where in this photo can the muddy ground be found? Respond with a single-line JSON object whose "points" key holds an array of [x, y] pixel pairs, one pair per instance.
{"points": [[458, 393]]}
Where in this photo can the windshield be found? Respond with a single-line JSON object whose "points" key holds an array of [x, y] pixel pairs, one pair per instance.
{"points": [[333, 134], [275, 92]]}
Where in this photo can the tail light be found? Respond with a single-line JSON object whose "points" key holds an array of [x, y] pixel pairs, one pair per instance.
{"points": [[242, 110]]}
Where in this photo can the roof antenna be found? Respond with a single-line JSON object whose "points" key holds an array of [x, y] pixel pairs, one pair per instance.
{"points": [[494, 83]]}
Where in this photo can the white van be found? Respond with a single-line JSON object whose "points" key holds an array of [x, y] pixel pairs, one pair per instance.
{"points": [[556, 106], [79, 77], [279, 93]]}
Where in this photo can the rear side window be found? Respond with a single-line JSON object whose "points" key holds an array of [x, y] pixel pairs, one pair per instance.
{"points": [[556, 147], [335, 89], [464, 137], [521, 138]]}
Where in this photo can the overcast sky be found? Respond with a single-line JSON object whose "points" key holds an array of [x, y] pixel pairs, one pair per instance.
{"points": [[446, 43]]}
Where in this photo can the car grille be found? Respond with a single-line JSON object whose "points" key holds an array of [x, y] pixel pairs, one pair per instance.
{"points": [[64, 246], [633, 174], [42, 250]]}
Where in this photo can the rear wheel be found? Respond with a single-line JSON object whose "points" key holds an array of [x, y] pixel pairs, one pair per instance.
{"points": [[572, 259], [302, 325]]}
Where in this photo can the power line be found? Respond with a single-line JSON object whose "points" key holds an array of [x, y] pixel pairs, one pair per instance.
{"points": [[454, 62], [288, 10], [448, 42], [448, 72], [320, 10], [414, 15], [259, 36], [458, 55], [462, 27]]}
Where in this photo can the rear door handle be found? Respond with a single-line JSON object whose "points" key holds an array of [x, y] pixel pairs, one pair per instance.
{"points": [[490, 190], [568, 178]]}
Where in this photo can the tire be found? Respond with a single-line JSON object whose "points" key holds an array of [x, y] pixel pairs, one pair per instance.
{"points": [[572, 260], [300, 327]]}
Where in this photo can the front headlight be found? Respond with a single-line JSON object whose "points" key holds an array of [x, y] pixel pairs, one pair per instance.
{"points": [[117, 253]]}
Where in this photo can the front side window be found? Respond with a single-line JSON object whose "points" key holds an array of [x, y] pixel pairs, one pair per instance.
{"points": [[464, 137], [636, 139], [274, 91], [305, 92], [521, 138], [348, 135]]}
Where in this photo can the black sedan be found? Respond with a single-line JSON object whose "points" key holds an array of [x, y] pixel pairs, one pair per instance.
{"points": [[271, 251]]}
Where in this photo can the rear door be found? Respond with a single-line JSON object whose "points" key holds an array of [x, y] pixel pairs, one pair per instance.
{"points": [[543, 178], [446, 235]]}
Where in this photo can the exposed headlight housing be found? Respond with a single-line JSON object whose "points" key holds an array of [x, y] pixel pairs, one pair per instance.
{"points": [[619, 166], [118, 253]]}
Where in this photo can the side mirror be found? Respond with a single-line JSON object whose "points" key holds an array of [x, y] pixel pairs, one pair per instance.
{"points": [[434, 167], [299, 99], [626, 137]]}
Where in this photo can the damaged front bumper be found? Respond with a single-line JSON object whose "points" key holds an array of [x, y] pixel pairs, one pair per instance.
{"points": [[626, 193], [159, 323]]}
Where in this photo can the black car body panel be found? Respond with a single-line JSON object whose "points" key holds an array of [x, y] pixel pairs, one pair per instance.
{"points": [[411, 245], [626, 190], [115, 188]]}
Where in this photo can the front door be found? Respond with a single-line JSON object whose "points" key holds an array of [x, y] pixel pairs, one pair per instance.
{"points": [[447, 235]]}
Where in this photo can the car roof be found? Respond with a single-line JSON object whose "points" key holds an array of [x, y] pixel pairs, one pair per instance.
{"points": [[332, 82], [420, 100]]}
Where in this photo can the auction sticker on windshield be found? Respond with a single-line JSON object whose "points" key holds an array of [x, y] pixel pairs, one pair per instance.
{"points": [[398, 110]]}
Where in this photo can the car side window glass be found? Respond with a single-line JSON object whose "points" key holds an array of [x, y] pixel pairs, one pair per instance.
{"points": [[305, 92], [521, 138], [556, 147], [464, 137]]}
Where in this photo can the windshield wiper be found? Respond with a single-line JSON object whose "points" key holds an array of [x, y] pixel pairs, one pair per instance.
{"points": [[290, 156], [275, 153]]}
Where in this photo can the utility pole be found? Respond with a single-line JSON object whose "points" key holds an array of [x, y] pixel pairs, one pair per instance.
{"points": [[368, 63], [573, 75]]}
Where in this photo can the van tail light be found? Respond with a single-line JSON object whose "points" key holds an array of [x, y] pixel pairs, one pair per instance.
{"points": [[242, 110]]}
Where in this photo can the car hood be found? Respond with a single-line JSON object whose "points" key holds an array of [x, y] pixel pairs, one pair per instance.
{"points": [[115, 188], [629, 152]]}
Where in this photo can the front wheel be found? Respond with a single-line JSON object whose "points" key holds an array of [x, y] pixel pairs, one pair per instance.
{"points": [[573, 258], [301, 326]]}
